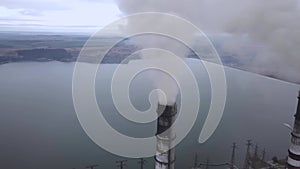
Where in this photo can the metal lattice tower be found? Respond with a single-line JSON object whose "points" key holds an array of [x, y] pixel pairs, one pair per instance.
{"points": [[121, 164], [247, 158], [263, 155], [207, 163], [142, 163], [92, 166], [232, 160], [196, 160], [256, 150]]}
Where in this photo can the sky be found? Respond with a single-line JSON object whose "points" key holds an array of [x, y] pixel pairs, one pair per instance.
{"points": [[56, 14], [273, 25]]}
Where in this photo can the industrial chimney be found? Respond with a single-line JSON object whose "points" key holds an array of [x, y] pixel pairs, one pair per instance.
{"points": [[165, 136], [293, 161]]}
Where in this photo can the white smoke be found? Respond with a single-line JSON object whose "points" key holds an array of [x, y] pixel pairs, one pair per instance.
{"points": [[265, 34], [165, 81], [160, 57]]}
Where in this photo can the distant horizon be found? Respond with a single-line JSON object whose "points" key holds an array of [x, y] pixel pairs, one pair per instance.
{"points": [[52, 13], [56, 29], [85, 30]]}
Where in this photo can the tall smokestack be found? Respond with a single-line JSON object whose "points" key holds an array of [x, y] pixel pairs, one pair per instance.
{"points": [[165, 136], [294, 151]]}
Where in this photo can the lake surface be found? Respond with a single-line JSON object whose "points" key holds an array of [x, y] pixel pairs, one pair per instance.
{"points": [[39, 127]]}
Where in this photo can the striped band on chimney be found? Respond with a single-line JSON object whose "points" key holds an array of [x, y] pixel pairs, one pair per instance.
{"points": [[293, 161]]}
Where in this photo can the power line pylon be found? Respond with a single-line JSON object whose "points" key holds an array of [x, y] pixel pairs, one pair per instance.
{"points": [[142, 162], [121, 163], [263, 155], [196, 160], [247, 158], [92, 166], [256, 150], [207, 163], [232, 160]]}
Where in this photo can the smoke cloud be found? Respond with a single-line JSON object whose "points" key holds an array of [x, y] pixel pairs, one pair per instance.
{"points": [[264, 36], [167, 68]]}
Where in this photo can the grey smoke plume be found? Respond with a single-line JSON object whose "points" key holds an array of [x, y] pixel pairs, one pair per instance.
{"points": [[272, 25], [159, 55], [263, 35]]}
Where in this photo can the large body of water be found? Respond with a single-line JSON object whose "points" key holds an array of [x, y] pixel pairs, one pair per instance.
{"points": [[39, 127]]}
